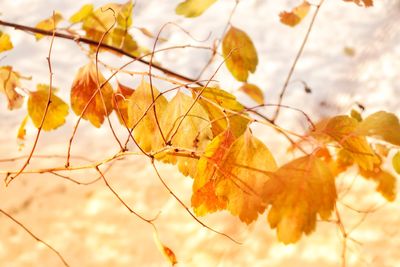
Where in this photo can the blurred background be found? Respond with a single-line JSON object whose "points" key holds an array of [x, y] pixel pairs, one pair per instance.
{"points": [[90, 227]]}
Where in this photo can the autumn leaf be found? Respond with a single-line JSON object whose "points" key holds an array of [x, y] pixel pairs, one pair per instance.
{"points": [[343, 130], [5, 42], [98, 22], [356, 115], [254, 92], [48, 24], [85, 89], [193, 8], [299, 191], [381, 125], [191, 132], [366, 3], [232, 175], [9, 81], [121, 103], [56, 113], [221, 107], [168, 254], [22, 133], [141, 116], [396, 162], [386, 182], [240, 53], [295, 16], [82, 14]]}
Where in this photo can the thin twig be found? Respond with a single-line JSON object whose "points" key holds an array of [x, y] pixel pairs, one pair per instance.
{"points": [[35, 237]]}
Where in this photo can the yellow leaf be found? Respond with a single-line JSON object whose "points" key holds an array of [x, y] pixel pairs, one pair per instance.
{"points": [[299, 191], [295, 16], [194, 132], [366, 3], [165, 251], [193, 8], [396, 162], [5, 42], [84, 89], [121, 103], [232, 174], [104, 18], [9, 81], [215, 101], [386, 182], [382, 125], [356, 115], [240, 53], [56, 113], [82, 14], [254, 92], [48, 24], [146, 130], [342, 129]]}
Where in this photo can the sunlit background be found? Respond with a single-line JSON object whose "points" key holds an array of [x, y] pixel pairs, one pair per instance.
{"points": [[90, 227]]}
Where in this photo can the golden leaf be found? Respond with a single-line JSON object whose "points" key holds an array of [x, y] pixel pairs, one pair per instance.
{"points": [[22, 133], [84, 89], [343, 130], [102, 19], [396, 162], [194, 132], [193, 8], [165, 251], [299, 191], [295, 16], [146, 130], [121, 103], [254, 92], [9, 81], [5, 42], [56, 113], [215, 101], [232, 174], [48, 24], [366, 3], [386, 182], [240, 53], [82, 14], [382, 125]]}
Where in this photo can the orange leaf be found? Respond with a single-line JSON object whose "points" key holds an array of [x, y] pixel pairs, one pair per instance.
{"points": [[165, 251], [194, 132], [85, 89], [22, 133], [48, 24], [121, 103], [240, 53], [237, 172], [386, 182], [221, 107], [343, 130], [56, 112], [254, 92], [299, 191], [366, 3], [146, 130], [9, 81], [295, 16]]}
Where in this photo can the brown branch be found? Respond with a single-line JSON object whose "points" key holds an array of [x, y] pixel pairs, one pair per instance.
{"points": [[80, 39], [35, 236], [45, 110], [299, 53]]}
